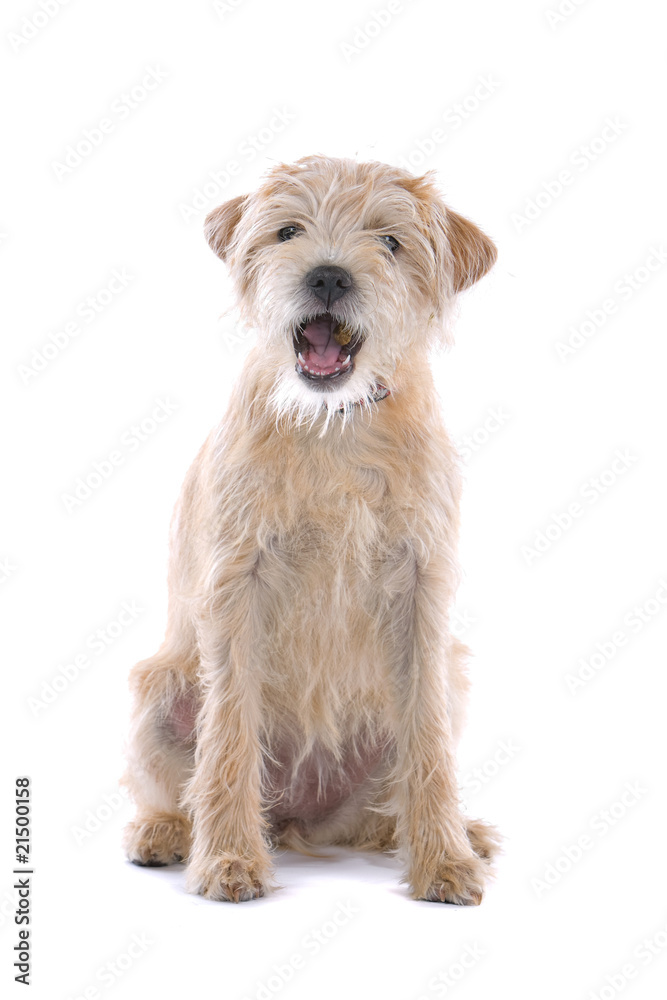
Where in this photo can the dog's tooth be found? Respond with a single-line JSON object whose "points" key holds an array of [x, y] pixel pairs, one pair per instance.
{"points": [[301, 358]]}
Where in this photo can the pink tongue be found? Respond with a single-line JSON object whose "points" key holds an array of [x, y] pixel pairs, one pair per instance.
{"points": [[323, 351]]}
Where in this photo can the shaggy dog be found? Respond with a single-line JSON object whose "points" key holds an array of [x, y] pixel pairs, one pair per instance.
{"points": [[309, 690]]}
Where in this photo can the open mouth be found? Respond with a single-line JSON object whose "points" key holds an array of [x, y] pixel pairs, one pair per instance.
{"points": [[325, 347]]}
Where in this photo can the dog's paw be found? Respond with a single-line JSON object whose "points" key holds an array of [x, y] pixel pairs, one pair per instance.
{"points": [[155, 841], [455, 880], [229, 878]]}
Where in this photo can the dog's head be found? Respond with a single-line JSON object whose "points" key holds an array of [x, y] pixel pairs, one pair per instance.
{"points": [[344, 268]]}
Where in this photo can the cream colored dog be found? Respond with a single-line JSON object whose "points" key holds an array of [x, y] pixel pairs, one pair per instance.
{"points": [[309, 690]]}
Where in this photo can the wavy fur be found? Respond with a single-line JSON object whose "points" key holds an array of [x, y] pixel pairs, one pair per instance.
{"points": [[308, 690]]}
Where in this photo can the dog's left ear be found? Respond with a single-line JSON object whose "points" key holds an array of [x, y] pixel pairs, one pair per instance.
{"points": [[472, 252], [463, 253], [220, 224]]}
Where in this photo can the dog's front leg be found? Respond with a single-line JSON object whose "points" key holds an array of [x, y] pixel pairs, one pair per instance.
{"points": [[230, 858], [428, 681]]}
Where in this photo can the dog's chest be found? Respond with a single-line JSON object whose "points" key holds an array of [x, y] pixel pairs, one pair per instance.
{"points": [[325, 544], [327, 613], [322, 585], [329, 506], [331, 537]]}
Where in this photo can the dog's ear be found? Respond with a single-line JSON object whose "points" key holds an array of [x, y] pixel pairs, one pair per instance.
{"points": [[472, 252], [463, 253], [220, 224]]}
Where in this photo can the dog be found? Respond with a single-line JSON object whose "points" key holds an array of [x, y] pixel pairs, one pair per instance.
{"points": [[309, 690]]}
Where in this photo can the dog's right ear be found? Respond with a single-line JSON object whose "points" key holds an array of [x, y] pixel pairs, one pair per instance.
{"points": [[221, 223]]}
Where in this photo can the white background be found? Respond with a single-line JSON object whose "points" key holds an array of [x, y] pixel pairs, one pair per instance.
{"points": [[534, 617]]}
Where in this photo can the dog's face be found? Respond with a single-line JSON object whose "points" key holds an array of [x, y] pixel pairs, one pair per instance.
{"points": [[345, 269]]}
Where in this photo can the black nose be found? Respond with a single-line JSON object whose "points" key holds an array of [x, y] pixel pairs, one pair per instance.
{"points": [[329, 283]]}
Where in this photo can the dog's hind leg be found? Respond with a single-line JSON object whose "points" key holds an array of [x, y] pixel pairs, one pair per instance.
{"points": [[160, 755], [484, 838]]}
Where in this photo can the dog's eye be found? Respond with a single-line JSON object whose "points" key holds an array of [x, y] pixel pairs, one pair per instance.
{"points": [[288, 233], [391, 243]]}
